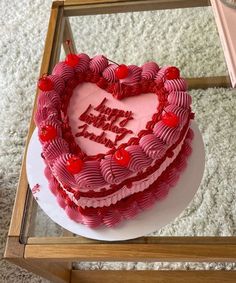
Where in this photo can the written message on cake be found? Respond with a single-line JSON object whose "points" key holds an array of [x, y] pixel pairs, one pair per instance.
{"points": [[107, 119]]}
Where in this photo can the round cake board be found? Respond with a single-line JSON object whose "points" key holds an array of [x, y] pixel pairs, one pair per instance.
{"points": [[159, 215]]}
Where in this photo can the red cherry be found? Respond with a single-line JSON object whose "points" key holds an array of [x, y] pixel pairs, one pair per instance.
{"points": [[72, 60], [74, 165], [170, 119], [122, 71], [45, 84], [172, 73], [47, 133], [122, 157]]}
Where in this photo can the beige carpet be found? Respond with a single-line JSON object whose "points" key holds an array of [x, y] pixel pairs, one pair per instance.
{"points": [[186, 38]]}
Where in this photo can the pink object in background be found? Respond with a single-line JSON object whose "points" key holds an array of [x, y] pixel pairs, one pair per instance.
{"points": [[225, 18]]}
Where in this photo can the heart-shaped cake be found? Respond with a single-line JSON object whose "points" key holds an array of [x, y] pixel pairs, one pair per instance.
{"points": [[115, 138]]}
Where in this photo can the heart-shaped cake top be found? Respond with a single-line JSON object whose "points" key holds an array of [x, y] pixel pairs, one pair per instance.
{"points": [[99, 123]]}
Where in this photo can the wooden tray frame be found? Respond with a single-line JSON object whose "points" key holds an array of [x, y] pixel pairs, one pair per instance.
{"points": [[52, 257]]}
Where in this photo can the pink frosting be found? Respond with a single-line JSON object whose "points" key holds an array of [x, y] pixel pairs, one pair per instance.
{"points": [[134, 75], [73, 214], [52, 122], [128, 209], [54, 149], [166, 134], [153, 146], [91, 219], [61, 173], [162, 190], [182, 113], [160, 76], [59, 84], [118, 91], [112, 172], [44, 113], [49, 98], [63, 70], [180, 98], [48, 173], [61, 200], [98, 64], [53, 186], [109, 73], [139, 160], [83, 64], [149, 70], [90, 176], [146, 200], [177, 84], [112, 217]]}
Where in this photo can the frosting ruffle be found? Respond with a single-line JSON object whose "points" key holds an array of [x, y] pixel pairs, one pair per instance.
{"points": [[134, 75], [182, 113], [61, 173], [180, 98], [149, 70], [49, 98], [176, 85], [98, 64], [83, 64], [166, 134], [153, 146], [112, 172], [59, 84], [54, 149], [63, 70], [139, 160], [43, 113], [90, 176], [109, 73]]}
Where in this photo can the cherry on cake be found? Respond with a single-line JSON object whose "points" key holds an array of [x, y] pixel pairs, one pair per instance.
{"points": [[115, 138]]}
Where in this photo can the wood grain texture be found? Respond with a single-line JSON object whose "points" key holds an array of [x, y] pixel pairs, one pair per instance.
{"points": [[81, 8], [55, 272], [18, 209], [67, 34], [13, 248], [81, 2], [132, 276], [208, 82], [141, 240], [133, 252]]}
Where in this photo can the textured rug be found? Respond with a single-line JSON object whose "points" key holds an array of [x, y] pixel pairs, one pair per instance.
{"points": [[185, 38]]}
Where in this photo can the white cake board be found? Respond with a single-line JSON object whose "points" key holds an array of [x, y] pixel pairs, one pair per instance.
{"points": [[159, 215]]}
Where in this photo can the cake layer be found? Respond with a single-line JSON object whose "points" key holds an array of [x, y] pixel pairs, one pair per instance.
{"points": [[130, 206], [137, 186]]}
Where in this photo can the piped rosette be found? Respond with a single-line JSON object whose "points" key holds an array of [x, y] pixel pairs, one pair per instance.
{"points": [[53, 149], [153, 146], [139, 160], [134, 75], [83, 63], [98, 64], [149, 70], [90, 177], [49, 98], [109, 73], [166, 134], [112, 172], [58, 83], [63, 71], [61, 172]]}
